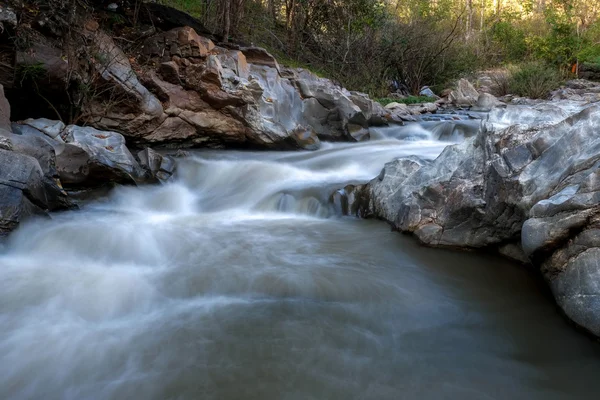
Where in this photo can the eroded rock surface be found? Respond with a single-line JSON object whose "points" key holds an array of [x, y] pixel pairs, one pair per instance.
{"points": [[531, 191], [199, 94]]}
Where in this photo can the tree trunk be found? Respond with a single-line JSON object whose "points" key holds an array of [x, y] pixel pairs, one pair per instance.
{"points": [[226, 19]]}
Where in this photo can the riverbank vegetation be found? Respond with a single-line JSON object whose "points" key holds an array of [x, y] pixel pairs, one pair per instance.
{"points": [[365, 44]]}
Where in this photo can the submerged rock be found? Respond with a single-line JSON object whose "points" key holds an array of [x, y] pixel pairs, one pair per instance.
{"points": [[528, 191]]}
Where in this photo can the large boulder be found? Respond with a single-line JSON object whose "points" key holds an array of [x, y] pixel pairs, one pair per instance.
{"points": [[193, 93], [24, 189], [92, 157], [528, 191], [464, 95]]}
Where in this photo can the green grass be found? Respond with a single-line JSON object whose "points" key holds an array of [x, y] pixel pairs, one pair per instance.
{"points": [[33, 72], [406, 100]]}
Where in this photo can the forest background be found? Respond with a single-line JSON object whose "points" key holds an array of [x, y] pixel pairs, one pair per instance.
{"points": [[367, 44]]}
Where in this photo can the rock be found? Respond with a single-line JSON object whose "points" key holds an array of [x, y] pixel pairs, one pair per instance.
{"points": [[8, 18], [203, 95], [5, 143], [394, 105], [305, 138], [31, 142], [91, 25], [21, 189], [426, 91], [92, 157], [259, 56], [486, 101], [578, 90], [24, 191], [43, 61], [160, 167], [169, 71], [49, 127], [537, 184], [589, 71], [181, 42], [464, 94], [4, 111], [114, 66]]}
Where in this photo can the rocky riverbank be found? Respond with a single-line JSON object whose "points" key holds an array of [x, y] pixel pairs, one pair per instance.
{"points": [[527, 186], [129, 87]]}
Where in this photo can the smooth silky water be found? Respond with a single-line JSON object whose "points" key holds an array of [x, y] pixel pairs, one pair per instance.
{"points": [[238, 281]]}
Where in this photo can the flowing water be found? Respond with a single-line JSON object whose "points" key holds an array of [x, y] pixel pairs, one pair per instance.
{"points": [[238, 281]]}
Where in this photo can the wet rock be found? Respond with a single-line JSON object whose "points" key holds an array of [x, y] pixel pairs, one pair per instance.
{"points": [[91, 157], [305, 138], [160, 167], [24, 190], [536, 184], [21, 189]]}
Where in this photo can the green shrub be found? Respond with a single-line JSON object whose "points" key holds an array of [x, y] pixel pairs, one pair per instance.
{"points": [[534, 80]]}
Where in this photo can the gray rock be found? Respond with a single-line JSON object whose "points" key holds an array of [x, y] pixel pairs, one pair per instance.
{"points": [[49, 127], [536, 184], [219, 97], [160, 167], [92, 157], [486, 101], [464, 94], [24, 191]]}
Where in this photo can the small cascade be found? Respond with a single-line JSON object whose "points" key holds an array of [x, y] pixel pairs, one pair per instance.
{"points": [[236, 280]]}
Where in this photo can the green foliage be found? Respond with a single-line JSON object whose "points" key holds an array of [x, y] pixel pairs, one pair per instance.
{"points": [[406, 100], [590, 45], [31, 72], [510, 39], [363, 44], [534, 80]]}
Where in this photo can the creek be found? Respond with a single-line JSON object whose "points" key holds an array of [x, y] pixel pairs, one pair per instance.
{"points": [[239, 280]]}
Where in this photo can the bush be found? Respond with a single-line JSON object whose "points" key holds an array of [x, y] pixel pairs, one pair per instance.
{"points": [[501, 82], [534, 80]]}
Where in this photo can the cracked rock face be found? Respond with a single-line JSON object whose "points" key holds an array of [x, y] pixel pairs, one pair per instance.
{"points": [[530, 191], [24, 190], [198, 94]]}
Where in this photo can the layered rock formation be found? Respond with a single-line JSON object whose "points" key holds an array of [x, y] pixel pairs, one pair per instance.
{"points": [[530, 191], [172, 89]]}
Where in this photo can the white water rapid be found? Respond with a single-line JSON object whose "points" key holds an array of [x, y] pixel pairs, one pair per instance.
{"points": [[237, 280]]}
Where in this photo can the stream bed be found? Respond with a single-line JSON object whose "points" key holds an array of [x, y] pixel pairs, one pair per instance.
{"points": [[238, 280]]}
